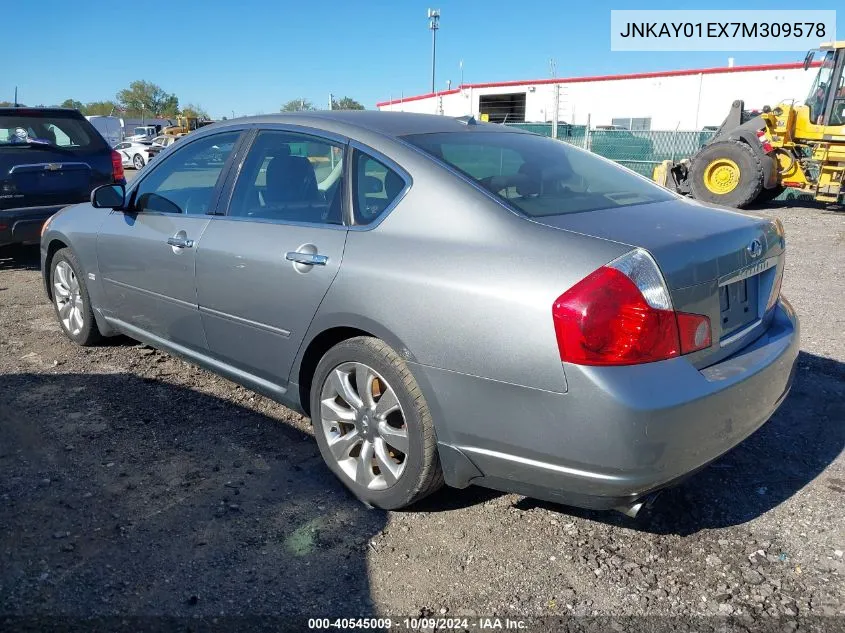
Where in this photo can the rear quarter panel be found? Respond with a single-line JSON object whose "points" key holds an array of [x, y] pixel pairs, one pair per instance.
{"points": [[454, 280]]}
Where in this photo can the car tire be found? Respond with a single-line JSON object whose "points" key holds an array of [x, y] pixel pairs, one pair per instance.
{"points": [[138, 161], [727, 173], [71, 301], [382, 446]]}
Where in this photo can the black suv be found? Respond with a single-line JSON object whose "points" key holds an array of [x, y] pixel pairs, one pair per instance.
{"points": [[49, 158]]}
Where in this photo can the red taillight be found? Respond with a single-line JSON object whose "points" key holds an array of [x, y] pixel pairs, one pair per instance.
{"points": [[605, 319], [693, 332], [767, 146], [117, 167]]}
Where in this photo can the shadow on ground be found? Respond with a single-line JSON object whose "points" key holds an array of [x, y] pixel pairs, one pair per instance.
{"points": [[803, 437], [128, 495], [20, 258]]}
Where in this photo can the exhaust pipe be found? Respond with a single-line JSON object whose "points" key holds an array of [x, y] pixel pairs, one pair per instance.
{"points": [[633, 508]]}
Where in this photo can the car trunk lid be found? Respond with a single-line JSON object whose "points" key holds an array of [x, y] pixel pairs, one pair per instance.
{"points": [[716, 262]]}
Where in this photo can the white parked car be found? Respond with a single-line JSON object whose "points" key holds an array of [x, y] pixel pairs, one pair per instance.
{"points": [[164, 140], [133, 154]]}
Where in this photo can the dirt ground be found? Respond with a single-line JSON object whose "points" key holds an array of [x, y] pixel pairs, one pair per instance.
{"points": [[132, 483]]}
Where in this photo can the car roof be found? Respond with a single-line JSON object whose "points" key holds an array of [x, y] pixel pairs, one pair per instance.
{"points": [[393, 124], [30, 110]]}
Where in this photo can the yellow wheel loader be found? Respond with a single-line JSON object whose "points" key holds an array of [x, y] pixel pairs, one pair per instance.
{"points": [[754, 157]]}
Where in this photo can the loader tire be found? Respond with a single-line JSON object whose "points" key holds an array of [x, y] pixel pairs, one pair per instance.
{"points": [[767, 195], [727, 173]]}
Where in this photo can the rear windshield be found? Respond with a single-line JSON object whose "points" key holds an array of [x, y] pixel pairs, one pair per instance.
{"points": [[48, 129], [537, 175]]}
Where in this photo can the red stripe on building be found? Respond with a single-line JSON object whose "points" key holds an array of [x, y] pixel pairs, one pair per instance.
{"points": [[576, 80]]}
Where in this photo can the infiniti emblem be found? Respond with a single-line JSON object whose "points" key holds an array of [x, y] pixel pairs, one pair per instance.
{"points": [[755, 249]]}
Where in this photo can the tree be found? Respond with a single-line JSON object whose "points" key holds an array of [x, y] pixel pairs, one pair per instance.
{"points": [[103, 108], [298, 105], [346, 103], [148, 99], [195, 111], [72, 103]]}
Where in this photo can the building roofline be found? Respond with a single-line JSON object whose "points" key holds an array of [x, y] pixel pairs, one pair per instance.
{"points": [[575, 80]]}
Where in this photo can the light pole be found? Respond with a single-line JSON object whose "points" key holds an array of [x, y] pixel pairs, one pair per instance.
{"points": [[433, 24]]}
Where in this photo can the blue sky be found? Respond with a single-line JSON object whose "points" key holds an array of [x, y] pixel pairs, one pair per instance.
{"points": [[250, 56]]}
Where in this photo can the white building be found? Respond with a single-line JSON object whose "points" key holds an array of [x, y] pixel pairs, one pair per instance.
{"points": [[684, 99]]}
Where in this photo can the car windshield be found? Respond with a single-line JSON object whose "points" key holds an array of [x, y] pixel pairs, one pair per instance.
{"points": [[142, 131], [537, 175], [27, 129]]}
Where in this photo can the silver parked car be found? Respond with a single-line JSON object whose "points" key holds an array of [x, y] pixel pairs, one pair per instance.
{"points": [[448, 300]]}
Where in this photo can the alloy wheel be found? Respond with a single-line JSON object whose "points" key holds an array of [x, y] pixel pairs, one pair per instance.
{"points": [[364, 425], [68, 297]]}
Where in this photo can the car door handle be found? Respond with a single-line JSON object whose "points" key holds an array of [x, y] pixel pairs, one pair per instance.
{"points": [[312, 259], [180, 242]]}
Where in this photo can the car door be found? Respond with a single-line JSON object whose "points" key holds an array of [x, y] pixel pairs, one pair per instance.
{"points": [[266, 265], [146, 254]]}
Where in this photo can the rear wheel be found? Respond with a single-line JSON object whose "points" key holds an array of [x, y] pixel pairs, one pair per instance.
{"points": [[137, 161], [727, 173], [372, 424]]}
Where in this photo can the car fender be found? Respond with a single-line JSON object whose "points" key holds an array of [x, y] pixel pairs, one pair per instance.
{"points": [[81, 238]]}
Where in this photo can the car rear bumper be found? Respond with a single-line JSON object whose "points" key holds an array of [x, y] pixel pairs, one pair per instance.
{"points": [[619, 432], [23, 226]]}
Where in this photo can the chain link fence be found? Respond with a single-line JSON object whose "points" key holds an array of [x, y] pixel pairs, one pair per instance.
{"points": [[639, 150]]}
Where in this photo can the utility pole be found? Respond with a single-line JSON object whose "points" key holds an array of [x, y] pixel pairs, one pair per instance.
{"points": [[16, 96], [331, 101], [556, 111], [433, 24]]}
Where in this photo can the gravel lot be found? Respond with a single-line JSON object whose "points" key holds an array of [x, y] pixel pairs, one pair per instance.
{"points": [[134, 483]]}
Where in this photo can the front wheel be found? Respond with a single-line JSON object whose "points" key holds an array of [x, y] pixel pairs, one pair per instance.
{"points": [[372, 424], [71, 301], [138, 161]]}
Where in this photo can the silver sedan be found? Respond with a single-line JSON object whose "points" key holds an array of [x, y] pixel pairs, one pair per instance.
{"points": [[448, 300]]}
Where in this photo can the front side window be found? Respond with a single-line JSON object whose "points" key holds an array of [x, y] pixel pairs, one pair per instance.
{"points": [[538, 175], [376, 187], [290, 177], [184, 182]]}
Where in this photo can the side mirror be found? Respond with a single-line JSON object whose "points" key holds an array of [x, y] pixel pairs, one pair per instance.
{"points": [[809, 59], [108, 197]]}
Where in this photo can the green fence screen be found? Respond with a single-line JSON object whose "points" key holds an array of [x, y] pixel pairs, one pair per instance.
{"points": [[639, 150]]}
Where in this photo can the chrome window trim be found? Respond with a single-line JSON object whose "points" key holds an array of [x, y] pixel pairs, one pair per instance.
{"points": [[322, 225]]}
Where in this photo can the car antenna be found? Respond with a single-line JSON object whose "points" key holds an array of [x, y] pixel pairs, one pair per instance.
{"points": [[467, 119], [16, 96]]}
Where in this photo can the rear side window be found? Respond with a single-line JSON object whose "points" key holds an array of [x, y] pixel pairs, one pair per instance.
{"points": [[538, 175], [377, 186], [45, 128]]}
